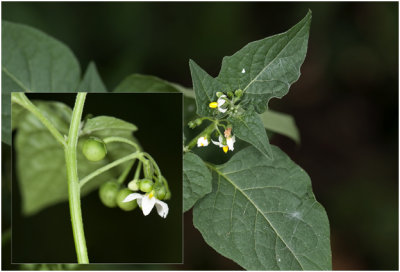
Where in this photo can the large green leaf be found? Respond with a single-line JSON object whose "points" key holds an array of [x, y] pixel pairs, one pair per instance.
{"points": [[196, 180], [249, 128], [33, 62], [40, 159], [91, 81], [262, 214], [262, 69], [281, 123]]}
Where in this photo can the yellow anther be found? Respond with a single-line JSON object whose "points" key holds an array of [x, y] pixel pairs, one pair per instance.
{"points": [[225, 148], [151, 194], [213, 105]]}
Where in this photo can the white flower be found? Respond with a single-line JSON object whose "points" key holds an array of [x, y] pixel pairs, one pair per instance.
{"points": [[147, 202], [229, 141], [202, 141], [221, 101]]}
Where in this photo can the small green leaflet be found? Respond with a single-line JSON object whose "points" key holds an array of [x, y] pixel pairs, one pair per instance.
{"points": [[196, 180], [40, 159], [106, 122], [262, 214], [262, 69]]}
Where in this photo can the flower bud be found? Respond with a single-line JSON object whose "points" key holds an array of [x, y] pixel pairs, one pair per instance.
{"points": [[219, 94], [126, 206], [108, 193], [230, 94], [238, 93], [146, 185], [133, 185], [198, 121], [191, 124], [94, 149]]}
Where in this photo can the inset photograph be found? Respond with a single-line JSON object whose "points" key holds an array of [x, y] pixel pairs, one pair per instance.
{"points": [[97, 178]]}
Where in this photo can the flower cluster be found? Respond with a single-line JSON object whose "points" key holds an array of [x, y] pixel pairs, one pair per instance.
{"points": [[225, 142]]}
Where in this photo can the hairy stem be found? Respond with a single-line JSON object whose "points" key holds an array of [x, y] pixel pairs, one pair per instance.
{"points": [[73, 180], [22, 100]]}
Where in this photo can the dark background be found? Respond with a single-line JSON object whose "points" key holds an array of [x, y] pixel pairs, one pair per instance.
{"points": [[345, 102]]}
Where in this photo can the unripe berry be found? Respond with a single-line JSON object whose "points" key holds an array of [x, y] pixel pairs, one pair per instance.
{"points": [[126, 206], [94, 149], [108, 193], [146, 185], [160, 193]]}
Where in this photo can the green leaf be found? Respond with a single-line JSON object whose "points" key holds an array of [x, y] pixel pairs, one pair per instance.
{"points": [[91, 81], [33, 62], [281, 123], [262, 69], [106, 123], [262, 214], [205, 88], [196, 180], [40, 159], [150, 84], [266, 68], [249, 128]]}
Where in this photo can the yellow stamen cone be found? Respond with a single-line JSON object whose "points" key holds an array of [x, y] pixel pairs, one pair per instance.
{"points": [[213, 105], [225, 148]]}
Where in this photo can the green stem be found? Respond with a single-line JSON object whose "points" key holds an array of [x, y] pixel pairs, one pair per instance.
{"points": [[207, 131], [153, 162], [125, 173], [22, 100], [73, 180], [101, 170], [122, 140], [137, 173]]}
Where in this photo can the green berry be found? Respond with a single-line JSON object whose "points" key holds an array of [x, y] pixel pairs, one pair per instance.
{"points": [[160, 193], [94, 149], [146, 185], [108, 193], [126, 206]]}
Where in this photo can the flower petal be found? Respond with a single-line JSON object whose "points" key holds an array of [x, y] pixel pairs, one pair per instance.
{"points": [[147, 204], [216, 143], [222, 110], [162, 208], [230, 141], [133, 197]]}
